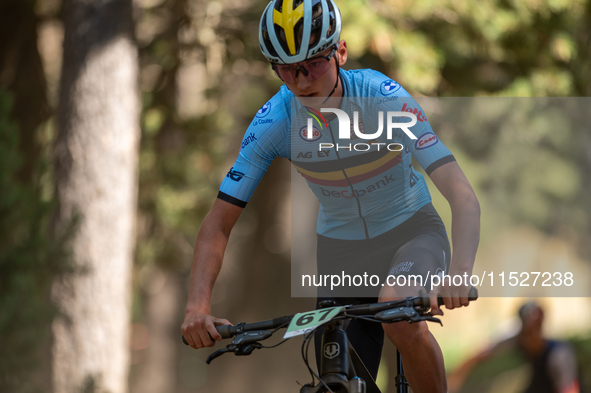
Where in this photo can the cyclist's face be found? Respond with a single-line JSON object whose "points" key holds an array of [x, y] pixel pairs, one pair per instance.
{"points": [[317, 84]]}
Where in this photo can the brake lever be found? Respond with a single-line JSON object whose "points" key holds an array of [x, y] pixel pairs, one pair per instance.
{"points": [[242, 345], [424, 317], [220, 352], [247, 350]]}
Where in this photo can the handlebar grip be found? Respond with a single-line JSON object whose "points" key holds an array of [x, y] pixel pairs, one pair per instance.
{"points": [[472, 295], [226, 331]]}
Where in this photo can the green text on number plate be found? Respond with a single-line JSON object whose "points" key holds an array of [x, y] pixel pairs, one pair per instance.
{"points": [[306, 321]]}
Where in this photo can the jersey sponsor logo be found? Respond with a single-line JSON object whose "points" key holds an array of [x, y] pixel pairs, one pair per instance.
{"points": [[316, 134], [420, 116], [426, 141], [386, 99], [389, 87], [250, 138], [308, 154], [265, 110], [235, 175], [348, 193], [256, 122]]}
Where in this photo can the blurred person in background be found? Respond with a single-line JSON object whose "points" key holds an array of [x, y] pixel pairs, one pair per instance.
{"points": [[301, 40], [552, 364]]}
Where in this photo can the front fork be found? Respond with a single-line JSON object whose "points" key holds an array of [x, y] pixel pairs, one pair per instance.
{"points": [[337, 383], [336, 369]]}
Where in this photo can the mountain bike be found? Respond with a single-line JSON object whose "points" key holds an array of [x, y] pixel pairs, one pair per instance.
{"points": [[341, 369]]}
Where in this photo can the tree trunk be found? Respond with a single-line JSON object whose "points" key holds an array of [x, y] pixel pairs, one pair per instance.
{"points": [[96, 183]]}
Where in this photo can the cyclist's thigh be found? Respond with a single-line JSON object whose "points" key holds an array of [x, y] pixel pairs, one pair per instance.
{"points": [[415, 262]]}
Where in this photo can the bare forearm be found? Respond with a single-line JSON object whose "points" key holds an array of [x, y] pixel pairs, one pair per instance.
{"points": [[465, 232], [208, 256]]}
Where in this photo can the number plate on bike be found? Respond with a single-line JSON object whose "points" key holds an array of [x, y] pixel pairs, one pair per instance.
{"points": [[304, 322]]}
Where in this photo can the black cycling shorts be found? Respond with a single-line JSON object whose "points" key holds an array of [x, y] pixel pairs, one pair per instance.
{"points": [[417, 247]]}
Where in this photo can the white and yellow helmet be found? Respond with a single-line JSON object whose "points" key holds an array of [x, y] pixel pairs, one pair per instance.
{"points": [[295, 30]]}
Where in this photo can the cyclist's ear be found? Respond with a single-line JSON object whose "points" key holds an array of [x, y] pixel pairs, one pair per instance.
{"points": [[342, 51]]}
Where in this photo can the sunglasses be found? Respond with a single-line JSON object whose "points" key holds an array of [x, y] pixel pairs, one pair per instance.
{"points": [[312, 68]]}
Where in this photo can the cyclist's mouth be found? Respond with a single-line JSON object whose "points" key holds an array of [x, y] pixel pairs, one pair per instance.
{"points": [[308, 95]]}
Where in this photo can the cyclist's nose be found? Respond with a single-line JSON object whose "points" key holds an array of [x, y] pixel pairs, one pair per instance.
{"points": [[302, 81]]}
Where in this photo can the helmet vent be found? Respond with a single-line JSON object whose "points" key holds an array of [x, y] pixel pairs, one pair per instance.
{"points": [[299, 32], [268, 44], [331, 27], [316, 11], [316, 24], [281, 37]]}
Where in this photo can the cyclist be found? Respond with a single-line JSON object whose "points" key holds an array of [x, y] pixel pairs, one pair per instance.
{"points": [[394, 219]]}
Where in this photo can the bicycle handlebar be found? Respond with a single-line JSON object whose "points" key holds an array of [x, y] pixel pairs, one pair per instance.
{"points": [[229, 331]]}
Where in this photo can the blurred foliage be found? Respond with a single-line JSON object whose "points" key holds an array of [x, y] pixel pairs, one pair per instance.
{"points": [[528, 158], [29, 261], [180, 156], [582, 345], [461, 48]]}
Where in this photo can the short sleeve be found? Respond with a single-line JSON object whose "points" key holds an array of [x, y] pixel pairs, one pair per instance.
{"points": [[264, 140]]}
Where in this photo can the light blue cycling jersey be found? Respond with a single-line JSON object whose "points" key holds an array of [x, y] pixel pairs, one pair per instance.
{"points": [[365, 187]]}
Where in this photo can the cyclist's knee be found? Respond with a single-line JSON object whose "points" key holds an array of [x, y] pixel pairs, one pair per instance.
{"points": [[405, 334]]}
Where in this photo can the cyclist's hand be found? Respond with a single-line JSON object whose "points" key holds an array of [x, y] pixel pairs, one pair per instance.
{"points": [[453, 297], [199, 329]]}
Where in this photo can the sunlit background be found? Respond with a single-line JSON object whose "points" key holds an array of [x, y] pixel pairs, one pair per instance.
{"points": [[202, 78]]}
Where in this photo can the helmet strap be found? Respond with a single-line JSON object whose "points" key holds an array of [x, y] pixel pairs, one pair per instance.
{"points": [[336, 83]]}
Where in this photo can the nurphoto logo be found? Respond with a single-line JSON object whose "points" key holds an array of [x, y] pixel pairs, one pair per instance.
{"points": [[345, 130]]}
